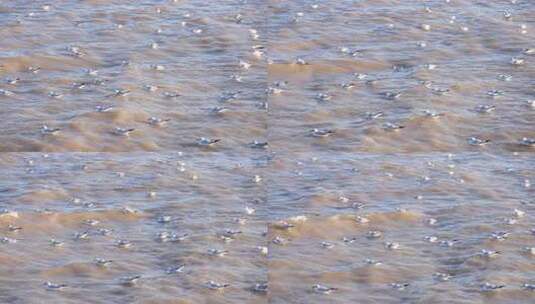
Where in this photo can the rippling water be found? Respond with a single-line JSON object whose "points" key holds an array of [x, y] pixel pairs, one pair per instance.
{"points": [[398, 170]]}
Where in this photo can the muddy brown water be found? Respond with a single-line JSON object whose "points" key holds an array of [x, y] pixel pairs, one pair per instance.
{"points": [[379, 215]]}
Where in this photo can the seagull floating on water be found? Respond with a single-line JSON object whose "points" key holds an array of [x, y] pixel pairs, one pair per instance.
{"points": [[373, 262], [442, 277], [103, 108], [207, 142], [489, 253], [54, 286], [47, 130], [392, 126], [123, 131], [432, 114], [517, 61], [374, 234], [392, 245], [259, 144], [123, 244], [154, 121], [399, 286], [484, 108], [476, 141], [129, 281], [374, 115], [175, 269], [488, 287], [260, 287], [505, 77], [527, 286], [216, 286], [321, 132], [318, 288], [56, 243], [323, 97], [528, 142], [217, 252], [392, 95], [102, 262]]}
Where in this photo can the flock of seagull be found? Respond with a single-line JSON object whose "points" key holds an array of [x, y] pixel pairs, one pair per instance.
{"points": [[278, 87], [524, 57]]}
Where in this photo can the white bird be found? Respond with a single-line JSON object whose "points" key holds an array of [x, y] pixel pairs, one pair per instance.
{"points": [[261, 287], [284, 225], [327, 245], [432, 114], [529, 142], [175, 269], [279, 240], [249, 210], [6, 92], [441, 276], [362, 220], [75, 51], [517, 61], [207, 142], [56, 243], [123, 131], [487, 287], [373, 262], [374, 115], [81, 235], [47, 130], [300, 61], [154, 121], [168, 94], [431, 239], [500, 235], [120, 92], [100, 108], [374, 234], [216, 286], [476, 141], [392, 126], [495, 93], [527, 286], [163, 219], [217, 252], [392, 245], [399, 286], [219, 110], [102, 262], [6, 240], [321, 132], [484, 108], [519, 213], [13, 228], [392, 95], [489, 253], [259, 144], [54, 286], [244, 65], [529, 250], [505, 77], [123, 244], [318, 288], [324, 96], [129, 281]]}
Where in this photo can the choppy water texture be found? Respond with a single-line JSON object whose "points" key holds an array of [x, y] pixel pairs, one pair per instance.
{"points": [[267, 151]]}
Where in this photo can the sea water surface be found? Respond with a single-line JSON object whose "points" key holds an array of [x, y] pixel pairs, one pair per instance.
{"points": [[240, 151]]}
